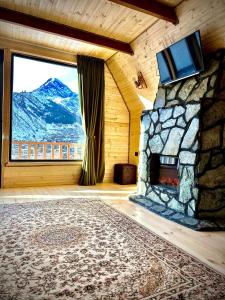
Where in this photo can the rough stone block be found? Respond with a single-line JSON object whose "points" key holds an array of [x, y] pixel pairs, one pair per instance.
{"points": [[212, 203], [160, 99], [210, 93], [213, 66], [223, 137], [215, 113], [195, 147], [199, 91], [172, 103], [169, 123], [174, 204], [142, 167], [158, 128], [143, 141], [173, 143], [213, 178], [191, 111], [154, 116], [165, 114], [213, 81], [203, 161], [210, 138], [186, 184], [187, 88], [217, 160], [178, 110], [164, 134], [155, 144], [152, 128], [154, 197], [191, 133], [181, 122], [187, 157], [145, 122], [141, 188], [173, 92]]}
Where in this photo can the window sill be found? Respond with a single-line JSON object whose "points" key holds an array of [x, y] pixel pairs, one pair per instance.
{"points": [[42, 163]]}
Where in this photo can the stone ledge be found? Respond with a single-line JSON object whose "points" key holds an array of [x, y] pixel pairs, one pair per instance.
{"points": [[172, 215]]}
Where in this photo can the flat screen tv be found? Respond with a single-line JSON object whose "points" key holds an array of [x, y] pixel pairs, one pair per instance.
{"points": [[180, 60]]}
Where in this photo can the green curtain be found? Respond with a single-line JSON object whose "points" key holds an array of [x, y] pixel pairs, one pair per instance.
{"points": [[91, 81]]}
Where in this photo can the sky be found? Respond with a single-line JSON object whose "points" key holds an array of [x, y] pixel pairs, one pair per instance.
{"points": [[29, 74]]}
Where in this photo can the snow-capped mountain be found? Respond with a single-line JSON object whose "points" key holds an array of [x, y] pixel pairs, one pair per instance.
{"points": [[49, 113]]}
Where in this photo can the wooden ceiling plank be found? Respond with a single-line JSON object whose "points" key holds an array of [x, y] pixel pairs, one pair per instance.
{"points": [[151, 7], [12, 16]]}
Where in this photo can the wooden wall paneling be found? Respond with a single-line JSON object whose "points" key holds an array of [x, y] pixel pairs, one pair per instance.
{"points": [[153, 8], [97, 16], [124, 71], [116, 130], [22, 176], [206, 15], [48, 40], [63, 30], [116, 127], [35, 50]]}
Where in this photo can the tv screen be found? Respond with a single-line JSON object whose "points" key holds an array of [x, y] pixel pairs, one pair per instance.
{"points": [[182, 59]]}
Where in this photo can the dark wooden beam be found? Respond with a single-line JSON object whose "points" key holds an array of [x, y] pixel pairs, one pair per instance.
{"points": [[151, 7], [63, 30]]}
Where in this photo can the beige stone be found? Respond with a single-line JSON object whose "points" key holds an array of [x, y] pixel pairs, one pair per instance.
{"points": [[213, 178], [211, 138], [214, 113]]}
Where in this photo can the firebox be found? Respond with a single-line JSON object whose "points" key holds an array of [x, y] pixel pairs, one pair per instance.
{"points": [[164, 170]]}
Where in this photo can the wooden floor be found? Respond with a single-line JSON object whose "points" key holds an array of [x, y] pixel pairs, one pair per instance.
{"points": [[209, 247]]}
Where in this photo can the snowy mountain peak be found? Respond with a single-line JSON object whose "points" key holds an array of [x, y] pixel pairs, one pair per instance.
{"points": [[53, 81], [54, 87], [49, 113]]}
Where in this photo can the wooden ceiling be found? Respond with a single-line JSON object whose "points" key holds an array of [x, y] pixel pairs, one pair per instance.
{"points": [[97, 16]]}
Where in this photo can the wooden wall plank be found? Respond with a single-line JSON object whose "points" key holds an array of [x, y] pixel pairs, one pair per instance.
{"points": [[152, 8], [206, 15], [116, 127], [97, 16], [58, 29], [116, 131]]}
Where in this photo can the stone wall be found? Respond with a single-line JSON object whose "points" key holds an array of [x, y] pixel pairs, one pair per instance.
{"points": [[210, 83], [174, 132], [211, 165], [175, 127]]}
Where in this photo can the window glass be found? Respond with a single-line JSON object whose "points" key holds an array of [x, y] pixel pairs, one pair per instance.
{"points": [[46, 121]]}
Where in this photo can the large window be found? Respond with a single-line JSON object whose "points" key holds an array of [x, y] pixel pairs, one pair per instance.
{"points": [[46, 121]]}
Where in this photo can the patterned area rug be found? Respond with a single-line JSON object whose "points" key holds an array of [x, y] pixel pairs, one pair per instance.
{"points": [[86, 250]]}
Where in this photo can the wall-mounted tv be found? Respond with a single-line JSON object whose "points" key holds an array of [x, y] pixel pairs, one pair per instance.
{"points": [[182, 59]]}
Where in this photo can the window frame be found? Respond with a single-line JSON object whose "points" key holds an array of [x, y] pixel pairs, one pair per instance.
{"points": [[38, 162]]}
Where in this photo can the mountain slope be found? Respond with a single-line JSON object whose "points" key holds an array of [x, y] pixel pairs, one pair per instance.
{"points": [[49, 113]]}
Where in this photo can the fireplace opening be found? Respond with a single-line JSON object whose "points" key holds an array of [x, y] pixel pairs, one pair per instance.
{"points": [[163, 170]]}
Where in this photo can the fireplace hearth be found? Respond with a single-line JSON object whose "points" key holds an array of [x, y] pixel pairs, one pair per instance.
{"points": [[181, 165]]}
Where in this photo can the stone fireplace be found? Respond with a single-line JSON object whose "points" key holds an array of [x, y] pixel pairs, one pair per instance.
{"points": [[181, 163], [170, 132]]}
